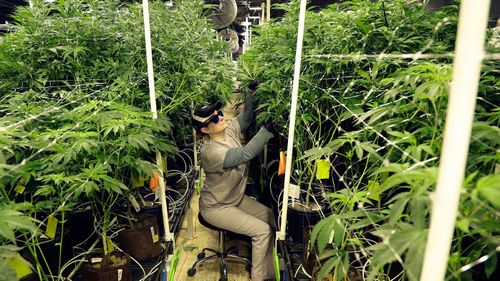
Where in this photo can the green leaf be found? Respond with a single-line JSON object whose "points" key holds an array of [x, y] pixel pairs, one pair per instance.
{"points": [[324, 235], [397, 209], [415, 256], [318, 227], [327, 267], [490, 265], [45, 190], [489, 189], [6, 271]]}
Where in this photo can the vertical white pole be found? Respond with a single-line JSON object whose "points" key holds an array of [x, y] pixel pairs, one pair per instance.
{"points": [[293, 113], [268, 7], [152, 98], [469, 52], [195, 148], [262, 13]]}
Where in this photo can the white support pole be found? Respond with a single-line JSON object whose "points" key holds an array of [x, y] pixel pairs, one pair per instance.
{"points": [[262, 13], [152, 97], [195, 148], [268, 9], [293, 113], [469, 53]]}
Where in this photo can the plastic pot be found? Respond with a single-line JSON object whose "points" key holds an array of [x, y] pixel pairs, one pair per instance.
{"points": [[153, 209], [81, 223], [298, 220], [112, 267], [141, 240]]}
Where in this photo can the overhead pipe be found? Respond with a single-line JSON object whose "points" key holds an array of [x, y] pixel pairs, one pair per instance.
{"points": [[469, 53]]}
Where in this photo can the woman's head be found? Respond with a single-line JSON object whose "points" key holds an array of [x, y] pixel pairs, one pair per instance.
{"points": [[209, 119]]}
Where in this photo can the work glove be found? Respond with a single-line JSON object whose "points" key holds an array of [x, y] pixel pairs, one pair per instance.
{"points": [[254, 85], [272, 127]]}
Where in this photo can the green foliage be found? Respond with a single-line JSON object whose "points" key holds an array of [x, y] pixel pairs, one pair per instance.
{"points": [[75, 121], [380, 121]]}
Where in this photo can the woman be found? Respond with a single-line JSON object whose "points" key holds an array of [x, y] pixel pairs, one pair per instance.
{"points": [[223, 202]]}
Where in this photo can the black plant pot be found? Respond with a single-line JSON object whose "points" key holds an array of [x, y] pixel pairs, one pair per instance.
{"points": [[81, 224], [47, 252], [298, 220], [153, 209], [112, 267], [141, 240], [310, 252]]}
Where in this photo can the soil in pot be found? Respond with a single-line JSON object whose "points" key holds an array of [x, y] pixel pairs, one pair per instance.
{"points": [[141, 239], [113, 267]]}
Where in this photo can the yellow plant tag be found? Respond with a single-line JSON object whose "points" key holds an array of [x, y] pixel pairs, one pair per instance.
{"points": [[51, 227], [164, 164], [110, 245], [20, 266], [322, 169], [19, 188], [282, 164], [137, 181], [373, 189]]}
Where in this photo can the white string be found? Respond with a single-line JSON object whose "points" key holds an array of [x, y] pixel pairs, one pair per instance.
{"points": [[384, 56]]}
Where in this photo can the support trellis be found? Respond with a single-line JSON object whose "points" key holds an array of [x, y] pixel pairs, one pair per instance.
{"points": [[468, 56]]}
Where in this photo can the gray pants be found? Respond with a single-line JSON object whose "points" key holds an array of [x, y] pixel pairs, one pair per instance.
{"points": [[253, 219]]}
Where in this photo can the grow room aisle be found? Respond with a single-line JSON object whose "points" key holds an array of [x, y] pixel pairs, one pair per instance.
{"points": [[207, 238]]}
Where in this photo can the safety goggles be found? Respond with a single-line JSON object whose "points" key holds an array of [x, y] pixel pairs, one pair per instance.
{"points": [[211, 119]]}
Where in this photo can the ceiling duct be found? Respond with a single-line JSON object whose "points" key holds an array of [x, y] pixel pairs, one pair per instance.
{"points": [[230, 35], [225, 15]]}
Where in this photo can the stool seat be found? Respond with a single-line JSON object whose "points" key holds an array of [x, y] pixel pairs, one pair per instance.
{"points": [[223, 254], [208, 225]]}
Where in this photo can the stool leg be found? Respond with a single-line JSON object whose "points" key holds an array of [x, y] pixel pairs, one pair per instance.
{"points": [[223, 269]]}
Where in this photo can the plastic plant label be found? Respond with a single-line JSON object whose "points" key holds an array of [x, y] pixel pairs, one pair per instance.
{"points": [[198, 185], [322, 169], [154, 236], [173, 265], [110, 245], [19, 188], [294, 191], [164, 165], [134, 202], [137, 181], [154, 182], [20, 266], [51, 227], [282, 164], [95, 260], [120, 274], [276, 263]]}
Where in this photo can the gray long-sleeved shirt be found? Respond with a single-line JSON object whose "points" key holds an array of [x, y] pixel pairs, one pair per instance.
{"points": [[225, 163]]}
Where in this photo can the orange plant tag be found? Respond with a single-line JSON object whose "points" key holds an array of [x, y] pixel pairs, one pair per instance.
{"points": [[154, 182], [282, 165]]}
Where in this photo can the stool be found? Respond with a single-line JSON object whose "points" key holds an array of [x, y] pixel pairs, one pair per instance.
{"points": [[231, 252]]}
